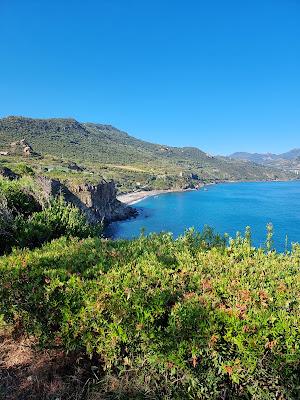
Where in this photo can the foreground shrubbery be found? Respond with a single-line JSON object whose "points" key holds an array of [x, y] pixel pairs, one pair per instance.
{"points": [[185, 318]]}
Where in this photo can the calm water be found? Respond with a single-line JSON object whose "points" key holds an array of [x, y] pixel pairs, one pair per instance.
{"points": [[225, 207]]}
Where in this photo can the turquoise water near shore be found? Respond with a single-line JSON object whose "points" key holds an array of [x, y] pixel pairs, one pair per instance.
{"points": [[226, 207]]}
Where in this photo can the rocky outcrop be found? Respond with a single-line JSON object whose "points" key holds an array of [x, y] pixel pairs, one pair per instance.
{"points": [[21, 147], [49, 187], [8, 173], [72, 166], [98, 202]]}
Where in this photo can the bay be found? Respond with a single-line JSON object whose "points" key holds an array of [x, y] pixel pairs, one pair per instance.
{"points": [[227, 208]]}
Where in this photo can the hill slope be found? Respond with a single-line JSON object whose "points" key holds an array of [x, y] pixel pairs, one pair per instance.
{"points": [[98, 145]]}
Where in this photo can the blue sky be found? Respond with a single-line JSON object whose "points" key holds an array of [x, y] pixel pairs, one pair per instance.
{"points": [[220, 75]]}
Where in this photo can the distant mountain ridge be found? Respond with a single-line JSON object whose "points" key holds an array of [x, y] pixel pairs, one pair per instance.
{"points": [[290, 155], [103, 145], [289, 161]]}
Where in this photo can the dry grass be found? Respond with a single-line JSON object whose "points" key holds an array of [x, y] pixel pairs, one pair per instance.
{"points": [[128, 386], [29, 373]]}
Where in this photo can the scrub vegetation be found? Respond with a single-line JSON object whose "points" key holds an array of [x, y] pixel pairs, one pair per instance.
{"points": [[165, 318]]}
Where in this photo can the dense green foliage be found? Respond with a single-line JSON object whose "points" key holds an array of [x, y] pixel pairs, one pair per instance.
{"points": [[56, 220], [23, 222], [186, 318], [19, 195], [105, 150]]}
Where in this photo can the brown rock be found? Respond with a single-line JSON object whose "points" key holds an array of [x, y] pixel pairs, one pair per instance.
{"points": [[97, 202]]}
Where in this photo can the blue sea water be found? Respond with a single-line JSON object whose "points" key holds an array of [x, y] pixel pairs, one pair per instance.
{"points": [[227, 208]]}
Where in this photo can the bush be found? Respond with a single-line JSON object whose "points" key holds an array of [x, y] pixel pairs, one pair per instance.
{"points": [[7, 225], [19, 196], [58, 219], [24, 169], [23, 223], [184, 318], [16, 202]]}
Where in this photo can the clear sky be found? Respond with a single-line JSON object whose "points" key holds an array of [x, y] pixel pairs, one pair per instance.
{"points": [[220, 75]]}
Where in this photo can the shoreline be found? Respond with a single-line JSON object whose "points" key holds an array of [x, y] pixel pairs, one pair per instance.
{"points": [[135, 197]]}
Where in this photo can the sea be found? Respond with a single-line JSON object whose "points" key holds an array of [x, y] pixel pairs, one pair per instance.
{"points": [[227, 208]]}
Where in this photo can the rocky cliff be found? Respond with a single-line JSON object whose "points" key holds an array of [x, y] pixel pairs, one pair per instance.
{"points": [[98, 202]]}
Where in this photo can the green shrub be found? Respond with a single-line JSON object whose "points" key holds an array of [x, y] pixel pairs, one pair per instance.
{"points": [[19, 196], [187, 319], [58, 219], [8, 226], [24, 169], [16, 202], [23, 223]]}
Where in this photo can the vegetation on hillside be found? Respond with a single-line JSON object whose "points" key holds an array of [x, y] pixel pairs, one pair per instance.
{"points": [[189, 318], [102, 150]]}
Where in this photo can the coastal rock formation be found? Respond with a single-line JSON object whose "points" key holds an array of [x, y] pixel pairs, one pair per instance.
{"points": [[98, 202]]}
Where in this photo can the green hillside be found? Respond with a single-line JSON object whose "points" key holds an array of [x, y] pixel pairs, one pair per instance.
{"points": [[107, 151]]}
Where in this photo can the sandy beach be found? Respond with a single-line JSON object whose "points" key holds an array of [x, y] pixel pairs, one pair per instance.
{"points": [[135, 197]]}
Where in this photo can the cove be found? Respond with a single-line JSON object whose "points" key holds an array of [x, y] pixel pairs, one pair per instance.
{"points": [[227, 208]]}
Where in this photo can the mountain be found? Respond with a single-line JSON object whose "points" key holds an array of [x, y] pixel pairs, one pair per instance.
{"points": [[290, 155], [289, 161], [253, 157], [113, 153], [98, 142]]}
